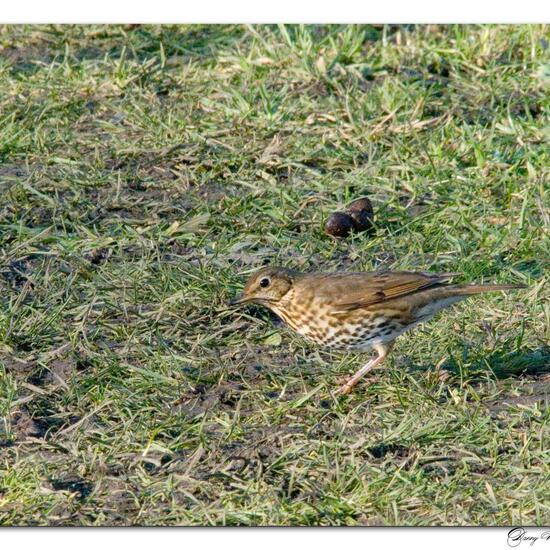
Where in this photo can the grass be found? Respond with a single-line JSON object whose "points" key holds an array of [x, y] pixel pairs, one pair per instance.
{"points": [[146, 171]]}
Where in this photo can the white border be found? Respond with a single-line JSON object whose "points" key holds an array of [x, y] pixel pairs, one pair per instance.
{"points": [[366, 538], [264, 11], [258, 11]]}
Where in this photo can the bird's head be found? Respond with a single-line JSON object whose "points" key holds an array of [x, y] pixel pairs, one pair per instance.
{"points": [[267, 287]]}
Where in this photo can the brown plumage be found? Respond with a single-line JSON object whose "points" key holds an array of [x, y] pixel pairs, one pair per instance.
{"points": [[356, 311]]}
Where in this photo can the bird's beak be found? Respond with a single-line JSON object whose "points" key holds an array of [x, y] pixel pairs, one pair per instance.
{"points": [[242, 299]]}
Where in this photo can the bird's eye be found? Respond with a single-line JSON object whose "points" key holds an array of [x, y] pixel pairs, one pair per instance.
{"points": [[264, 282]]}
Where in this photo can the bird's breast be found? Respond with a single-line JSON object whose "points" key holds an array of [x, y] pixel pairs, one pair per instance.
{"points": [[354, 330]]}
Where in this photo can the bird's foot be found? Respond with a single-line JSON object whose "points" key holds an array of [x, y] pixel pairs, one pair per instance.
{"points": [[348, 385], [344, 390]]}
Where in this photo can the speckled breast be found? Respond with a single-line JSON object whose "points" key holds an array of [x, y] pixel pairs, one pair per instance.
{"points": [[358, 329]]}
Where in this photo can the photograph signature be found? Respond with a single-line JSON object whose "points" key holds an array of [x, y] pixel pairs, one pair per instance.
{"points": [[519, 535]]}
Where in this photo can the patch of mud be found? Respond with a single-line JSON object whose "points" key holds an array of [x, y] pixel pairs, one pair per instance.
{"points": [[12, 171], [14, 274], [56, 371], [98, 256], [393, 449], [203, 399], [25, 60], [20, 368], [60, 371], [440, 468], [134, 202], [23, 426], [535, 392], [73, 484]]}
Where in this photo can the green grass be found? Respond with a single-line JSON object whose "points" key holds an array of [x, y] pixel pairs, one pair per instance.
{"points": [[146, 172]]}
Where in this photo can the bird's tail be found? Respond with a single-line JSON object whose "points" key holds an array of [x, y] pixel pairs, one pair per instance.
{"points": [[466, 290], [435, 299]]}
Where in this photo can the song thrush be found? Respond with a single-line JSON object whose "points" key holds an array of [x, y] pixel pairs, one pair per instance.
{"points": [[356, 311]]}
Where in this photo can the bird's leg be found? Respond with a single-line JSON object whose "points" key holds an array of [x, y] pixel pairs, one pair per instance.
{"points": [[382, 350]]}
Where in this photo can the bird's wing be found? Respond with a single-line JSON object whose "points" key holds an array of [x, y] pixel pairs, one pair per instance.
{"points": [[347, 292]]}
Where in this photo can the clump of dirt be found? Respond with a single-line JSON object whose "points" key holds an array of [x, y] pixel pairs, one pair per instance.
{"points": [[536, 392], [203, 399], [15, 273], [98, 255], [73, 484], [20, 368], [59, 371], [12, 170], [383, 449], [23, 426]]}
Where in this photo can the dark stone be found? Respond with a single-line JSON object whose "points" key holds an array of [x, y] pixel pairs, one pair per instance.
{"points": [[339, 224]]}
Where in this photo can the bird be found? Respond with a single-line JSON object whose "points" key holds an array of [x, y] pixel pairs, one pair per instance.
{"points": [[356, 311]]}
